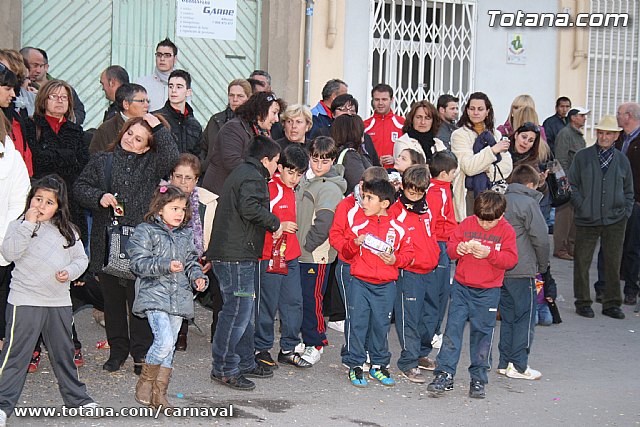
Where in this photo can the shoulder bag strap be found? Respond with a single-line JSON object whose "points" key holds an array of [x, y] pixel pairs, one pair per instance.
{"points": [[107, 171]]}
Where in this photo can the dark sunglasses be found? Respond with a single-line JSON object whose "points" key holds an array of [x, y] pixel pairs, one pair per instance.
{"points": [[529, 127]]}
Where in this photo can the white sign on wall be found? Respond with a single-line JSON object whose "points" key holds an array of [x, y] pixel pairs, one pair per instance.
{"points": [[516, 49], [206, 19]]}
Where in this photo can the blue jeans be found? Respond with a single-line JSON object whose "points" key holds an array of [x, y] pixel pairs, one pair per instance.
{"points": [[370, 308], [517, 311], [232, 347], [165, 329], [278, 292], [443, 279], [543, 314], [416, 307], [480, 307]]}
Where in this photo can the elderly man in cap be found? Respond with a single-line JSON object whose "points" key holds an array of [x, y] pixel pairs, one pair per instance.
{"points": [[602, 196], [568, 142]]}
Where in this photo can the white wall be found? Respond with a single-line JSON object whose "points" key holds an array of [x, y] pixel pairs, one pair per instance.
{"points": [[356, 51], [501, 81]]}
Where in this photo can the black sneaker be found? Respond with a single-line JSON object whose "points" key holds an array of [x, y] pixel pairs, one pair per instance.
{"points": [[239, 382], [113, 365], [259, 372], [263, 358], [293, 358], [476, 389], [441, 383]]}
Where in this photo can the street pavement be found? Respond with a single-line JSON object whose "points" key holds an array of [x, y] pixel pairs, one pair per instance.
{"points": [[589, 366]]}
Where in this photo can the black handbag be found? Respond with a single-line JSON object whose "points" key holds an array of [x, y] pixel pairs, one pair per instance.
{"points": [[558, 183], [498, 185], [116, 258]]}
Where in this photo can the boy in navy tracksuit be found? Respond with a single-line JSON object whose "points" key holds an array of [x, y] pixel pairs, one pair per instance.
{"points": [[485, 246], [418, 295], [282, 292], [378, 247], [518, 294], [349, 212], [440, 200]]}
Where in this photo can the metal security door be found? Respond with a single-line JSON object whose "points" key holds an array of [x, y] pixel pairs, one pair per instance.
{"points": [[423, 49]]}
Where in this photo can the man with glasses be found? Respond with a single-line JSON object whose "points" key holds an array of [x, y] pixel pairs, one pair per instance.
{"points": [[157, 83], [322, 115], [37, 62]]}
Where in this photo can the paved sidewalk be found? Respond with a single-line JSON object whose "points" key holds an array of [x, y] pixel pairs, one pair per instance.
{"points": [[589, 366]]}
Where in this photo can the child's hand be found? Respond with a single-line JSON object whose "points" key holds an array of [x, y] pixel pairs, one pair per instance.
{"points": [[359, 240], [388, 259], [176, 266], [480, 251], [462, 249], [206, 267], [278, 232], [200, 284], [62, 276], [31, 215], [387, 159], [289, 227]]}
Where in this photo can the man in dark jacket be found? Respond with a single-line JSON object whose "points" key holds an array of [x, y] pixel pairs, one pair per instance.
{"points": [[184, 126], [602, 196], [554, 124], [242, 219]]}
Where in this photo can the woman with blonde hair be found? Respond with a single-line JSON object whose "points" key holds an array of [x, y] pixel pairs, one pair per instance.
{"points": [[519, 102], [297, 121]]}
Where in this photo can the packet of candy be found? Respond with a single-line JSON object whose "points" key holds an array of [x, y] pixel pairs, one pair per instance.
{"points": [[376, 245], [102, 345]]}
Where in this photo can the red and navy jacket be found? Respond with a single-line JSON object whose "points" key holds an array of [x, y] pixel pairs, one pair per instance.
{"points": [[367, 266], [427, 251], [348, 212], [383, 131], [283, 205], [440, 201], [487, 272]]}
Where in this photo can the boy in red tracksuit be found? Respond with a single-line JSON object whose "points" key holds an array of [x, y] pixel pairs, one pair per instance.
{"points": [[349, 212], [378, 248], [418, 294], [485, 246], [281, 292], [440, 199]]}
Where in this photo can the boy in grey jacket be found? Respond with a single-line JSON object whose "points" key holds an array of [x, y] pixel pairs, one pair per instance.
{"points": [[518, 293]]}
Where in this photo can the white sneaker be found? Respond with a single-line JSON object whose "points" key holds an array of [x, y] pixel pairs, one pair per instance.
{"points": [[312, 354], [529, 374], [436, 342], [91, 410], [3, 418], [501, 371], [300, 348], [336, 326]]}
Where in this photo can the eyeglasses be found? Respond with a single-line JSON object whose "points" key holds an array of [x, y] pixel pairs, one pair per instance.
{"points": [[163, 55], [142, 101], [184, 178], [55, 97], [346, 109]]}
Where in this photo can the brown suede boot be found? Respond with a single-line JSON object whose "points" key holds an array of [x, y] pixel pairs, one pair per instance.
{"points": [[160, 386], [144, 387]]}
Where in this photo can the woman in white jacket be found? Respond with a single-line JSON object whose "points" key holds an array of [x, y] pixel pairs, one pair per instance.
{"points": [[14, 186], [477, 123]]}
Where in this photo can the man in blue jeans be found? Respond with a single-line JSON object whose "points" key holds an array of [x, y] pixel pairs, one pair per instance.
{"points": [[242, 219]]}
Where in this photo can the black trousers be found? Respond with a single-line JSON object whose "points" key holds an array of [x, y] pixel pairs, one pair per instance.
{"points": [[5, 278], [126, 333]]}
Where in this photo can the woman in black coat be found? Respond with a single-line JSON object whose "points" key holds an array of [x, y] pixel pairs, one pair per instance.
{"points": [[144, 154]]}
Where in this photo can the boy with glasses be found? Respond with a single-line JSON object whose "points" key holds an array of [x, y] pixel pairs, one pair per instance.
{"points": [[317, 196], [157, 83]]}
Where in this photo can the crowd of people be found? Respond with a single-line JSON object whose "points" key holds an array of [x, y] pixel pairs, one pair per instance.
{"points": [[299, 214]]}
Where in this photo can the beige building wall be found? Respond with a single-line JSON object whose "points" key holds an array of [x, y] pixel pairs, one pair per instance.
{"points": [[573, 46], [10, 24]]}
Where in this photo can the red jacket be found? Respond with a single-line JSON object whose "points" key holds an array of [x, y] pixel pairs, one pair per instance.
{"points": [[440, 201], [427, 251], [367, 266], [383, 130], [283, 205], [488, 272], [348, 212]]}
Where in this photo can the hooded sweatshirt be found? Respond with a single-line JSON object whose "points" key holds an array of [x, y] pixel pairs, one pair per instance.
{"points": [[283, 205], [348, 212], [440, 201], [316, 201]]}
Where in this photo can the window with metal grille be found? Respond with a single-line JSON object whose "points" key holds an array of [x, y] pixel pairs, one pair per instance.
{"points": [[613, 76], [423, 49]]}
